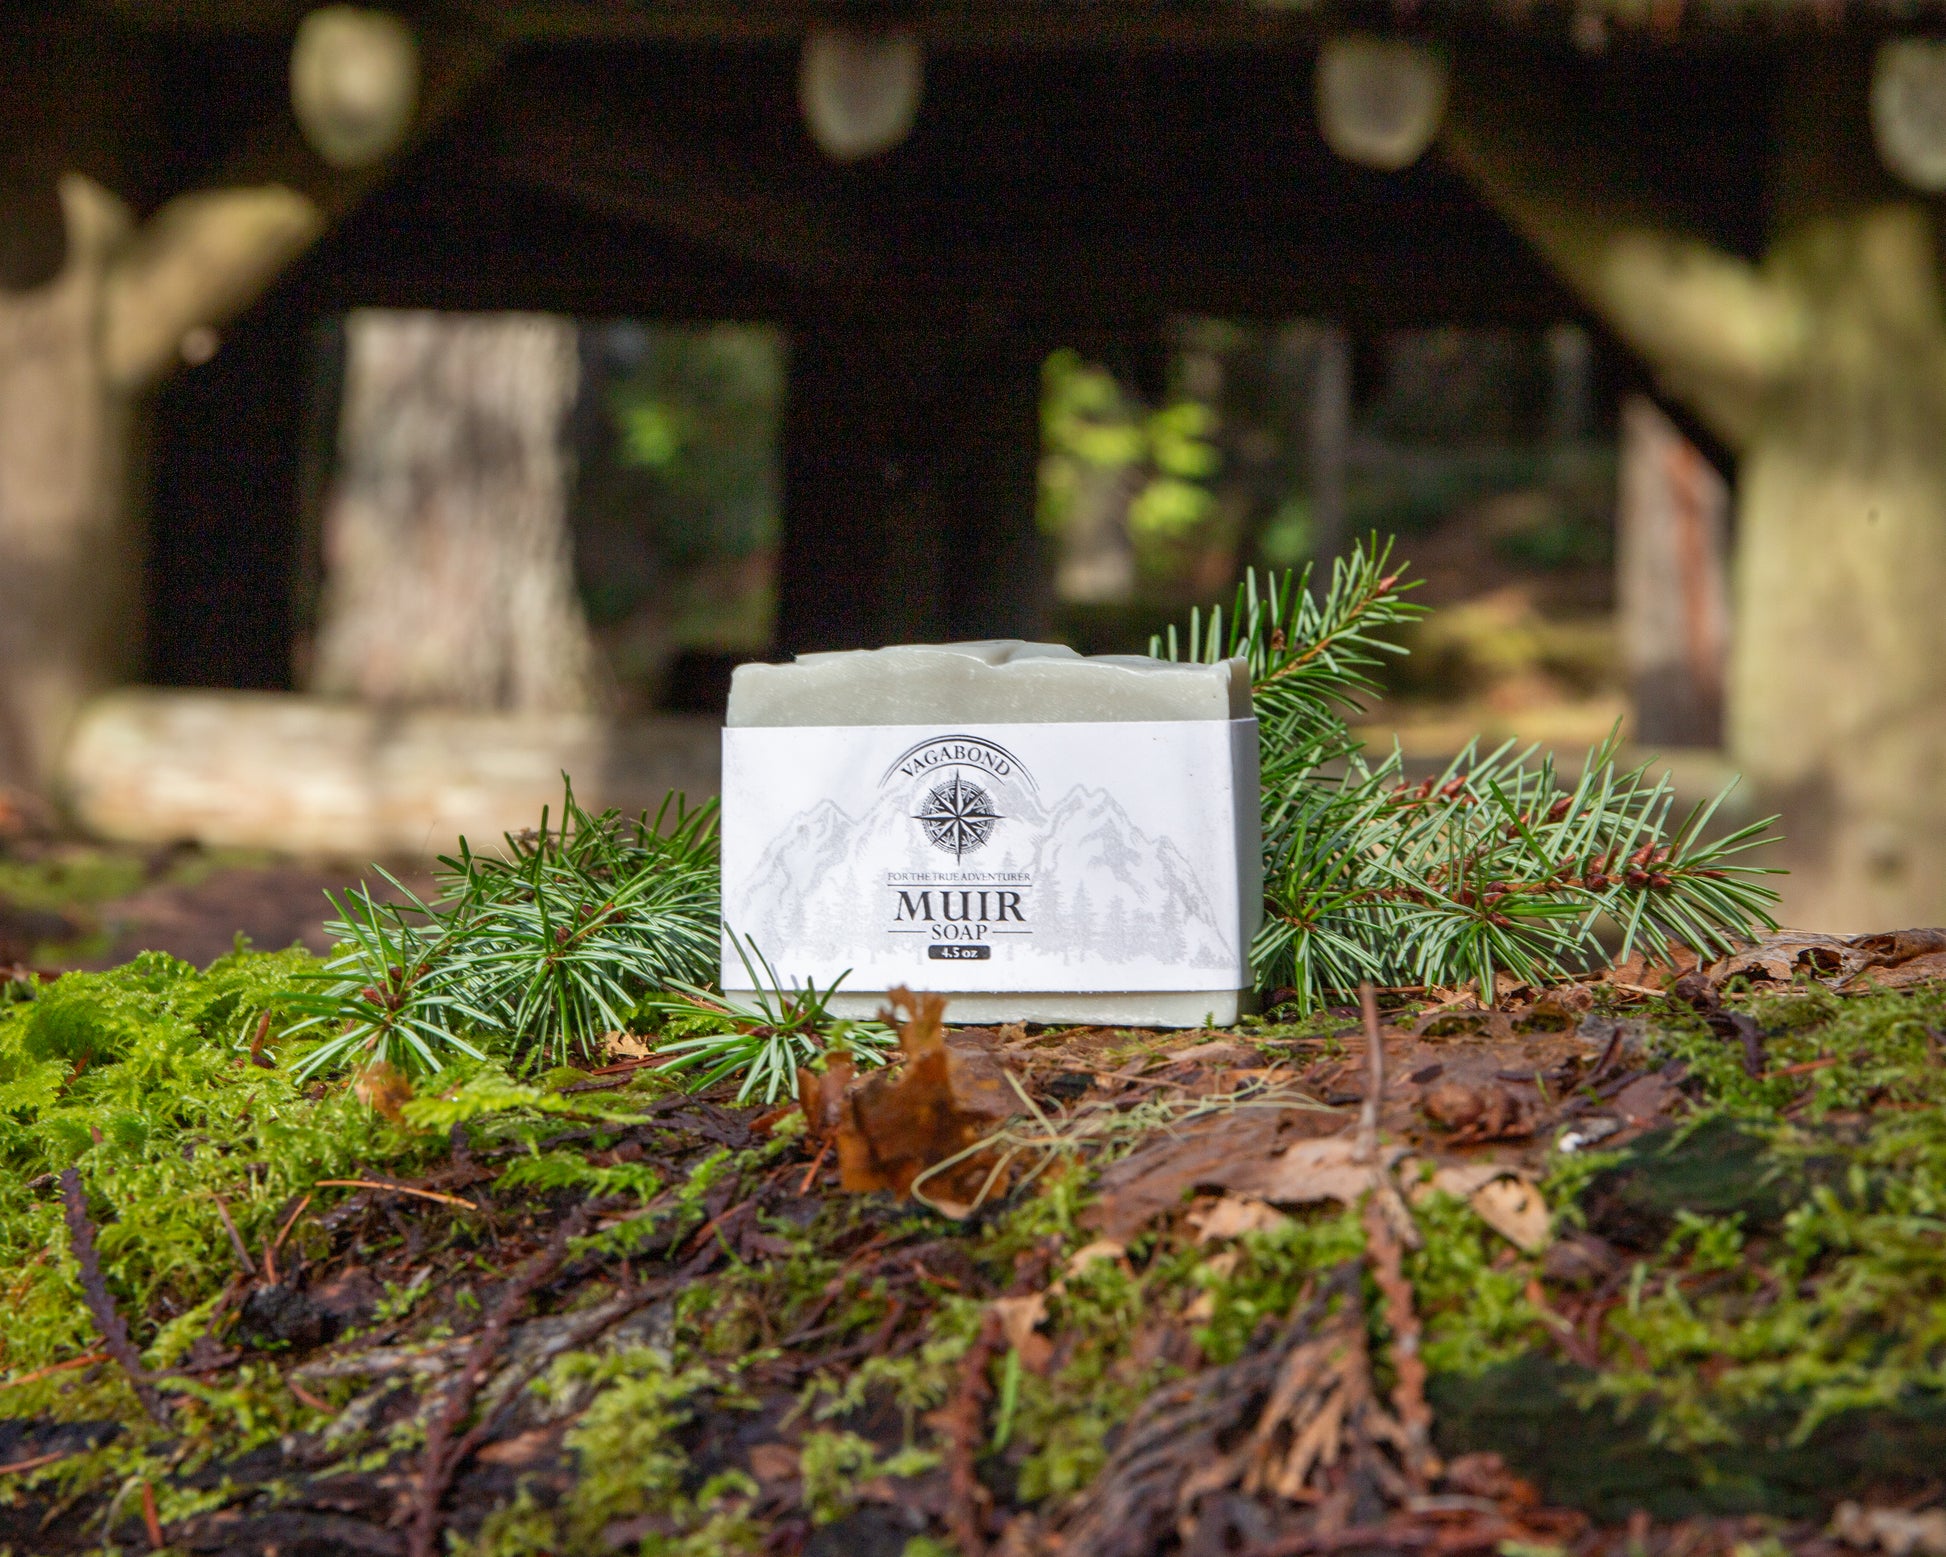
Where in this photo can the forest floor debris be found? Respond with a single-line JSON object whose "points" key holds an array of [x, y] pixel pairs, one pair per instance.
{"points": [[1667, 1283]]}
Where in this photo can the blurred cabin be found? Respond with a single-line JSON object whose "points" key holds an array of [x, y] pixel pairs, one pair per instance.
{"points": [[180, 239]]}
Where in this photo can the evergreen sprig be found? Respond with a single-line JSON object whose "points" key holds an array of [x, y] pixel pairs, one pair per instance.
{"points": [[1494, 866], [539, 951]]}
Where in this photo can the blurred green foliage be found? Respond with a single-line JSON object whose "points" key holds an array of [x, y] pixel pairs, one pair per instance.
{"points": [[1091, 422]]}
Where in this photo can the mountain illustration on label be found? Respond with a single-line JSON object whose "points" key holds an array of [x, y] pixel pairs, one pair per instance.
{"points": [[1080, 878]]}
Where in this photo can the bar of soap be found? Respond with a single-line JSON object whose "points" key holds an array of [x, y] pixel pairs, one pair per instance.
{"points": [[998, 681], [1039, 835]]}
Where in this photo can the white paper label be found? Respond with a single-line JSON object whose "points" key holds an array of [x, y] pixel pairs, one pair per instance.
{"points": [[1009, 858]]}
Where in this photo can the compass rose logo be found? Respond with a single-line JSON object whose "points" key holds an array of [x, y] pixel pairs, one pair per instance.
{"points": [[958, 817]]}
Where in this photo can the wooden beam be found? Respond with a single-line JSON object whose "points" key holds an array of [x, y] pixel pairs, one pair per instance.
{"points": [[639, 174], [211, 252]]}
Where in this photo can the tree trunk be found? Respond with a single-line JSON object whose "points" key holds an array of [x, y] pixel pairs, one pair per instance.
{"points": [[1672, 599], [1838, 674], [1824, 368], [448, 578], [69, 563]]}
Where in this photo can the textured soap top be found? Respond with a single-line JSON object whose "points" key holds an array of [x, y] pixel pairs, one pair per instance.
{"points": [[997, 681]]}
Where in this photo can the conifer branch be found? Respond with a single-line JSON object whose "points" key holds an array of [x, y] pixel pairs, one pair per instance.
{"points": [[1493, 866]]}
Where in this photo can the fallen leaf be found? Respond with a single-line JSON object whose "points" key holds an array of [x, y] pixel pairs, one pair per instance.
{"points": [[521, 1449], [625, 1046], [1903, 975], [1220, 1267], [1311, 1171], [1219, 1052], [1019, 1319], [1895, 1530], [1515, 1210], [1088, 1253], [774, 1462], [1212, 1153], [1646, 1101], [895, 1127], [1233, 1216], [1501, 1196], [1783, 954], [384, 1089], [1896, 946]]}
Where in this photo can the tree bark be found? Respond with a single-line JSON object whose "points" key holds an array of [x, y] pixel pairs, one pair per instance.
{"points": [[1824, 368], [448, 578], [1672, 597], [69, 558]]}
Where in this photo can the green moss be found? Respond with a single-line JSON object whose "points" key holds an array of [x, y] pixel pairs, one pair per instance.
{"points": [[836, 1464]]}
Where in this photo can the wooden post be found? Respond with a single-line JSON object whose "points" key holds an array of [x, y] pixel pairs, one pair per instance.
{"points": [[448, 578], [910, 459], [1327, 438], [69, 585], [1673, 594]]}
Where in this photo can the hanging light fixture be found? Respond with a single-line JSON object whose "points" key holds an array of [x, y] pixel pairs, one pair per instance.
{"points": [[1380, 100], [1909, 110], [860, 92], [354, 83]]}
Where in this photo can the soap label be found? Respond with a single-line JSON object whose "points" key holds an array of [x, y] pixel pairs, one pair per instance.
{"points": [[1018, 858]]}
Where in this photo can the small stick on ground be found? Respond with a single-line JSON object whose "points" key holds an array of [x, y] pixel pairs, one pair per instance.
{"points": [[289, 1222], [236, 1238], [87, 1361], [151, 1519], [963, 1424], [1367, 1147], [1409, 1401], [101, 1303], [1385, 1193], [398, 1189]]}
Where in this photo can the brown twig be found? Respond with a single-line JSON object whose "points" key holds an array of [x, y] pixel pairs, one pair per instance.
{"points": [[315, 1402], [963, 1424], [1409, 1402], [150, 1519], [397, 1189], [289, 1222], [35, 1462], [236, 1238], [38, 1374], [811, 1173], [1385, 1193], [1367, 1148], [101, 1303]]}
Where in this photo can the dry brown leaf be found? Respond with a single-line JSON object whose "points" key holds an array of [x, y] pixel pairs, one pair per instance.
{"points": [[1783, 954], [1515, 1210], [625, 1046], [1088, 1253], [1311, 1171], [1217, 1052], [895, 1127], [1898, 1531], [1157, 1176], [1501, 1196], [1233, 1216], [384, 1089], [774, 1462], [1020, 1318], [1903, 975]]}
